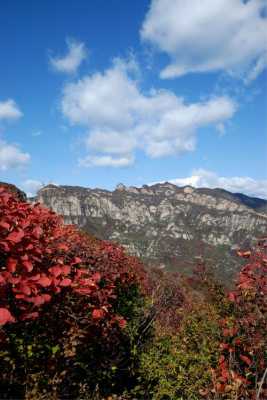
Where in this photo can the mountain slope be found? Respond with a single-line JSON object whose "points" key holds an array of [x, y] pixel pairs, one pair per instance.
{"points": [[164, 224]]}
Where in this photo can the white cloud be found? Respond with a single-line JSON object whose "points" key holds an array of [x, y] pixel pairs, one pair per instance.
{"points": [[121, 119], [11, 156], [37, 133], [220, 128], [258, 67], [209, 35], [237, 184], [72, 60], [106, 161], [9, 110], [110, 142], [31, 186]]}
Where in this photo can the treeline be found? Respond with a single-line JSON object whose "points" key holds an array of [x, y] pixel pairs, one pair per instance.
{"points": [[80, 319]]}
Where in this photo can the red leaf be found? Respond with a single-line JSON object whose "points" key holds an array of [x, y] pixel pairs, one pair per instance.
{"points": [[15, 236], [38, 300], [4, 225], [226, 332], [25, 289], [55, 271], [25, 224], [96, 277], [35, 277], [233, 331], [5, 246], [63, 247], [37, 232], [20, 296], [231, 296], [5, 316], [246, 359], [225, 374], [66, 282], [44, 281], [76, 260], [122, 323], [224, 346], [46, 297], [32, 315], [84, 291], [66, 269], [14, 280], [246, 284], [98, 314], [80, 272], [28, 265], [11, 264], [221, 359]]}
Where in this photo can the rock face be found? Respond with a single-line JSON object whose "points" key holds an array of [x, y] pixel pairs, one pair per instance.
{"points": [[164, 224]]}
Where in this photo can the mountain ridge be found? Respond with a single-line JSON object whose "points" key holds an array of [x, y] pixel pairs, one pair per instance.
{"points": [[165, 225], [253, 202]]}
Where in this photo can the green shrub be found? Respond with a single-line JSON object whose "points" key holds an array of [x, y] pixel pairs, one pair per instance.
{"points": [[178, 366]]}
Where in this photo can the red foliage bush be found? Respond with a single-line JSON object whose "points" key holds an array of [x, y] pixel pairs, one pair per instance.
{"points": [[40, 257], [61, 292], [243, 362]]}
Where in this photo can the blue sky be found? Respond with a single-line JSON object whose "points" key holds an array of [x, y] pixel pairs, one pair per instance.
{"points": [[100, 92]]}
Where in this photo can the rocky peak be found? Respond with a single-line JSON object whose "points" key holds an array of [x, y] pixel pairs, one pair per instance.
{"points": [[188, 189], [120, 187]]}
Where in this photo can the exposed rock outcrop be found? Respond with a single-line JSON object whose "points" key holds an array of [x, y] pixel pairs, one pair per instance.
{"points": [[165, 224]]}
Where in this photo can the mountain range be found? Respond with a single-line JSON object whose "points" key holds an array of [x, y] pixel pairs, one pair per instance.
{"points": [[168, 226]]}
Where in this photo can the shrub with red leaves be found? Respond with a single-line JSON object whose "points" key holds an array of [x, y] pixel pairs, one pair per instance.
{"points": [[243, 363], [40, 257], [60, 289]]}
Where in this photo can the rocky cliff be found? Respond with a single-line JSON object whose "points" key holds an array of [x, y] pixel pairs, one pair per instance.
{"points": [[164, 224]]}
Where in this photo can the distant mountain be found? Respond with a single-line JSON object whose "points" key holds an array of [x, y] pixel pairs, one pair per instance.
{"points": [[166, 225], [257, 204]]}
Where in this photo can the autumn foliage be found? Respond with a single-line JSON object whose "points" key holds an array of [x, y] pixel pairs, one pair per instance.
{"points": [[60, 289], [80, 319], [243, 361], [40, 257], [212, 344]]}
